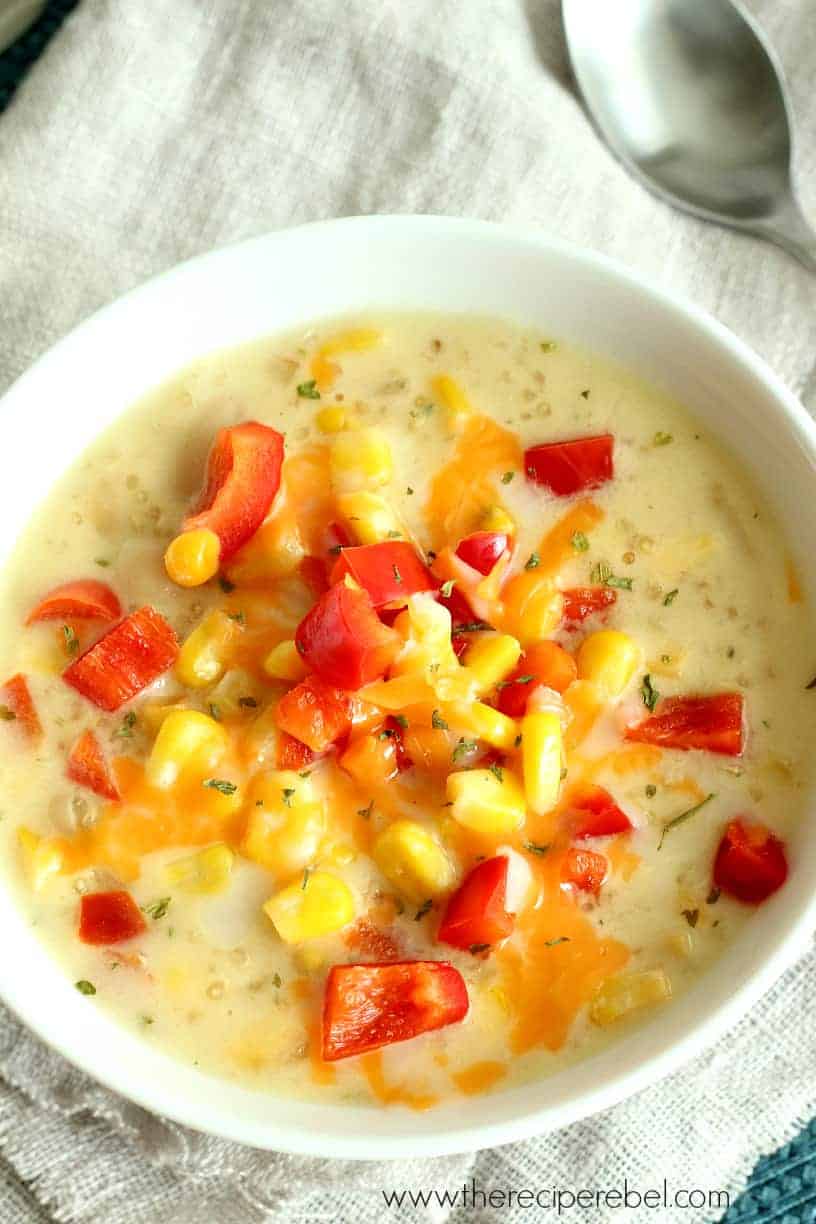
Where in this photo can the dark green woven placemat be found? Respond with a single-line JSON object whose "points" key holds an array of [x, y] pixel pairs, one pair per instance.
{"points": [[782, 1188]]}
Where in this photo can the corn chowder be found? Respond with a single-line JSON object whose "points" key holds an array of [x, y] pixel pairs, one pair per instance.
{"points": [[399, 709]]}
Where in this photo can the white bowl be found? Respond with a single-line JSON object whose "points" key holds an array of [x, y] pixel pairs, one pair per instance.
{"points": [[276, 282]]}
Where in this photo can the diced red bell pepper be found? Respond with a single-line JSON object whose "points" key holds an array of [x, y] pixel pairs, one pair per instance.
{"points": [[476, 913], [17, 706], [750, 863], [712, 722], [368, 1006], [243, 477], [313, 572], [581, 602], [85, 599], [126, 660], [544, 663], [460, 610], [584, 869], [390, 571], [316, 713], [594, 813], [292, 753], [87, 767], [482, 549], [569, 467], [109, 918], [343, 641]]}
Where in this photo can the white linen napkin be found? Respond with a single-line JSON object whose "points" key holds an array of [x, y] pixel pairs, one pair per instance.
{"points": [[152, 131]]}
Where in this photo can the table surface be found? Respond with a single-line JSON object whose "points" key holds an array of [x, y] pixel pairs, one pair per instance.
{"points": [[782, 1187]]}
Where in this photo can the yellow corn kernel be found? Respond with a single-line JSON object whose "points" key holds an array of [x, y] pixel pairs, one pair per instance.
{"points": [[42, 857], [681, 943], [533, 606], [192, 557], [275, 551], [451, 395], [618, 996], [482, 722], [360, 459], [338, 854], [352, 341], [284, 662], [204, 655], [369, 518], [609, 659], [232, 697], [315, 905], [496, 518], [485, 802], [153, 713], [208, 871], [492, 657], [186, 739], [331, 420], [285, 822], [426, 627], [413, 861], [542, 753]]}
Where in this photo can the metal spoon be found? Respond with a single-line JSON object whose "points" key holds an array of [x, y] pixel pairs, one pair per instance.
{"points": [[692, 100]]}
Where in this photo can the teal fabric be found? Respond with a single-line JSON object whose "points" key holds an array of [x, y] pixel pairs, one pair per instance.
{"points": [[782, 1188]]}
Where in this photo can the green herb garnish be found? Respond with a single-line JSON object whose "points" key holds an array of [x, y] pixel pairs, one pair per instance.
{"points": [[397, 574], [221, 785], [649, 693], [475, 949], [536, 847], [71, 641], [306, 874], [424, 909], [507, 477], [366, 811], [472, 627], [401, 719], [548, 346], [249, 703], [157, 909], [438, 722], [287, 793], [446, 588], [277, 981], [85, 987], [308, 390], [532, 562], [580, 541], [463, 748], [620, 584], [125, 731], [102, 561], [651, 791], [226, 586], [553, 943], [670, 598], [662, 439], [496, 770], [214, 711], [691, 916], [683, 817]]}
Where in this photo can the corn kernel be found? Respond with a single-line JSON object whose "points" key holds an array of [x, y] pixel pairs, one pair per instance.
{"points": [[533, 606], [284, 662], [360, 459], [609, 659], [681, 943], [285, 822], [542, 751], [208, 871], [448, 391], [186, 739], [486, 803], [618, 996], [42, 857], [203, 657], [338, 854], [192, 557], [275, 551], [492, 657], [153, 713], [316, 905], [496, 518], [413, 861], [355, 340], [331, 420], [482, 722], [369, 518]]}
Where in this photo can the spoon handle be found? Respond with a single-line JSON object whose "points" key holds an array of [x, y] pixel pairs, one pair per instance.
{"points": [[790, 229]]}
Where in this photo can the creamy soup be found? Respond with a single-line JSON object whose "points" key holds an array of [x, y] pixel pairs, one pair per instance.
{"points": [[433, 760]]}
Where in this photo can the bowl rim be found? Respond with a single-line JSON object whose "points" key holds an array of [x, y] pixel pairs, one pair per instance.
{"points": [[468, 1134]]}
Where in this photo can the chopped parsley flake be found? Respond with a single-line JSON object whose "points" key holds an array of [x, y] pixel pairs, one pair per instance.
{"points": [[472, 627], [532, 562], [214, 711], [226, 586], [157, 909], [536, 847], [713, 897], [463, 748], [366, 811], [475, 949], [85, 987], [409, 491], [277, 981], [397, 574], [402, 720], [683, 817], [308, 390], [526, 679], [496, 770], [306, 874], [548, 346], [579, 541], [287, 793], [71, 640], [447, 588], [585, 394], [425, 908], [649, 693], [651, 791], [239, 617], [102, 561], [221, 785], [553, 943], [507, 477], [125, 731], [438, 722], [691, 916], [248, 702], [670, 598], [662, 439], [620, 584], [517, 741]]}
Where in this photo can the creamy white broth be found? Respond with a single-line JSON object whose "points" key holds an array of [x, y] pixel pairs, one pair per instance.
{"points": [[210, 980]]}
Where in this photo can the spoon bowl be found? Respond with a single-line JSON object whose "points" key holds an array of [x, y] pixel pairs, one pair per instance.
{"points": [[693, 101]]}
